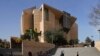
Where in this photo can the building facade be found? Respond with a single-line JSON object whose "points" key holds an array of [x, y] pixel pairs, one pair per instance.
{"points": [[73, 33], [48, 18]]}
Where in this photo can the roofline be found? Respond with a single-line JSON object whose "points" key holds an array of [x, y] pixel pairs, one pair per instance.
{"points": [[45, 5]]}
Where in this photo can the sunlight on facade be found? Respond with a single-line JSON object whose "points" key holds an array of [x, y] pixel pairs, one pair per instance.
{"points": [[42, 39]]}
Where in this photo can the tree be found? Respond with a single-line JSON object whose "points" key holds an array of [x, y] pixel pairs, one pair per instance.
{"points": [[76, 41], [25, 36], [49, 36], [36, 34], [71, 42], [4, 43], [56, 37], [60, 40], [31, 34], [0, 40], [16, 42], [88, 40], [95, 16]]}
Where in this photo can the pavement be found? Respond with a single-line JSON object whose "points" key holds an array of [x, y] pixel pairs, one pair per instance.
{"points": [[82, 51], [7, 52]]}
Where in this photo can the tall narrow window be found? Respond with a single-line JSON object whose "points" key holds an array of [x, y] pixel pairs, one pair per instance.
{"points": [[61, 20], [32, 21], [46, 14]]}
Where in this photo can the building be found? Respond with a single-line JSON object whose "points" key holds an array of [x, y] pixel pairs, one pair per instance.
{"points": [[47, 18], [73, 33], [15, 42]]}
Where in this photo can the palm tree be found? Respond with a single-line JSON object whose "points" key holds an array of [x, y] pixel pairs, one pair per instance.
{"points": [[36, 34], [31, 34], [26, 35]]}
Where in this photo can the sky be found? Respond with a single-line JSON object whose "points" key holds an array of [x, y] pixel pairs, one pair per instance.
{"points": [[10, 15]]}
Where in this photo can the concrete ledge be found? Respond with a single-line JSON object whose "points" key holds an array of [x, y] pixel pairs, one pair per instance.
{"points": [[35, 47]]}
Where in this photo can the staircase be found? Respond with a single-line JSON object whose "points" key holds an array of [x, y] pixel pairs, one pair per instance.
{"points": [[88, 51]]}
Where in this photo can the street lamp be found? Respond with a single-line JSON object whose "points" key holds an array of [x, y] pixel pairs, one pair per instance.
{"points": [[99, 33]]}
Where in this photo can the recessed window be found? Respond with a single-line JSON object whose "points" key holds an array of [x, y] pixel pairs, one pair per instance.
{"points": [[32, 21], [46, 14], [61, 20]]}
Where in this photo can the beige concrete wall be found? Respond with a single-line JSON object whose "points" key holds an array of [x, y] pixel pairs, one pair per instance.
{"points": [[73, 33], [37, 19], [97, 45], [52, 23], [35, 47], [26, 20], [48, 25], [38, 22]]}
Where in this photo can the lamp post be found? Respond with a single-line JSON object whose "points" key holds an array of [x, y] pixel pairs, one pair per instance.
{"points": [[99, 33]]}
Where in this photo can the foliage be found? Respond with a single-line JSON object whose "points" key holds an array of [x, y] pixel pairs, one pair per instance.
{"points": [[88, 40], [76, 41], [60, 40], [71, 42], [49, 35], [95, 16], [25, 36], [31, 34], [55, 37], [4, 43], [16, 42]]}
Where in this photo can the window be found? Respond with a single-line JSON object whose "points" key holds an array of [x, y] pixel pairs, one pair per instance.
{"points": [[32, 21], [61, 20], [46, 14]]}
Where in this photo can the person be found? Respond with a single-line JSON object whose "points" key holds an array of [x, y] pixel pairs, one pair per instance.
{"points": [[77, 54], [92, 43], [29, 53], [11, 54], [71, 42], [62, 53]]}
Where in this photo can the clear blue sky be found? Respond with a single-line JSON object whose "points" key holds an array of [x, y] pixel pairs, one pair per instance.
{"points": [[10, 14]]}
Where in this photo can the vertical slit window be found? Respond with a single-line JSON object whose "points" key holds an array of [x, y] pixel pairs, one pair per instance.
{"points": [[46, 14], [31, 21]]}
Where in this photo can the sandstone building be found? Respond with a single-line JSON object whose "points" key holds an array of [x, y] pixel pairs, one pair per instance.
{"points": [[48, 18]]}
